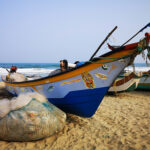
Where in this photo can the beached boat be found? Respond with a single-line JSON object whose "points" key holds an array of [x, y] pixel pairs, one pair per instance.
{"points": [[80, 90], [144, 83], [125, 83]]}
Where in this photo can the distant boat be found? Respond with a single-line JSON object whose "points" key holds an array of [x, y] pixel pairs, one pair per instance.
{"points": [[80, 90], [125, 83], [144, 83]]}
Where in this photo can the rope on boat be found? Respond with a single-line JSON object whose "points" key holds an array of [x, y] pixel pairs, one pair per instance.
{"points": [[142, 45]]}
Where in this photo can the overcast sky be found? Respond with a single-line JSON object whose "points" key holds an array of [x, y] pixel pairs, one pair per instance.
{"points": [[50, 30]]}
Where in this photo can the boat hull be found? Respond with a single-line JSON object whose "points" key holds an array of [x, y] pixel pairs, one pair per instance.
{"points": [[80, 95], [144, 83], [125, 86], [82, 103]]}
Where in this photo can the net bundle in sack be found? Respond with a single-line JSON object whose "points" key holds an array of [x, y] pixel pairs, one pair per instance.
{"points": [[29, 117], [17, 77]]}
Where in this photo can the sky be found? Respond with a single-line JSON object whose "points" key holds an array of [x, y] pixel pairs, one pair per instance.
{"points": [[47, 31]]}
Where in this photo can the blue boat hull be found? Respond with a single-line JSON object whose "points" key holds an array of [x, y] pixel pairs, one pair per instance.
{"points": [[78, 92], [82, 103]]}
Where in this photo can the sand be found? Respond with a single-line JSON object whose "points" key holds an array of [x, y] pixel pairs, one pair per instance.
{"points": [[121, 122]]}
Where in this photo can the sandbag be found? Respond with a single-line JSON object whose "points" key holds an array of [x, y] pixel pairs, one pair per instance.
{"points": [[31, 120]]}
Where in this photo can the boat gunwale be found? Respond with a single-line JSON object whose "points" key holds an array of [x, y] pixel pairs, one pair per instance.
{"points": [[76, 68]]}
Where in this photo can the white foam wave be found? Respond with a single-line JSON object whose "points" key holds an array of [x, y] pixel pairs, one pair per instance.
{"points": [[138, 69], [32, 71], [29, 71]]}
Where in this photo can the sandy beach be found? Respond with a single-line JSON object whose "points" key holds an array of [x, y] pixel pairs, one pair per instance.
{"points": [[121, 122]]}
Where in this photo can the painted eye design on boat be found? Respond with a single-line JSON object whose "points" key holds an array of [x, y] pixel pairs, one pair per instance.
{"points": [[50, 88], [105, 67]]}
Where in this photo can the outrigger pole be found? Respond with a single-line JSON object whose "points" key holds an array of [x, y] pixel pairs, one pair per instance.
{"points": [[103, 42], [148, 25]]}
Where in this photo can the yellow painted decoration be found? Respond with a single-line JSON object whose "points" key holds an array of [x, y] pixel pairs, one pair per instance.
{"points": [[88, 80], [22, 89], [101, 76], [68, 82]]}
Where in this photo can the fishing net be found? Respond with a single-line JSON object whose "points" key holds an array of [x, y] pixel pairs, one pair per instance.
{"points": [[29, 117], [16, 77]]}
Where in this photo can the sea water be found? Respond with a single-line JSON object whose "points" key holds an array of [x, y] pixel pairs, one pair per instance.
{"points": [[28, 69], [138, 67], [43, 69]]}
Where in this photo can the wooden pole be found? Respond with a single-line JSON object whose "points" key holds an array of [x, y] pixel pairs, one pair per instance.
{"points": [[103, 42], [136, 34]]}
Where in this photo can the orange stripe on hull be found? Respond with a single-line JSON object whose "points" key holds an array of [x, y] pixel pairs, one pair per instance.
{"points": [[76, 72]]}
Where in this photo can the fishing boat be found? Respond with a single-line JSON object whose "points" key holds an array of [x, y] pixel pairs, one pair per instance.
{"points": [[80, 90], [144, 83], [125, 83]]}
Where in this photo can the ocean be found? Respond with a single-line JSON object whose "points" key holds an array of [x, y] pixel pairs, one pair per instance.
{"points": [[43, 69]]}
